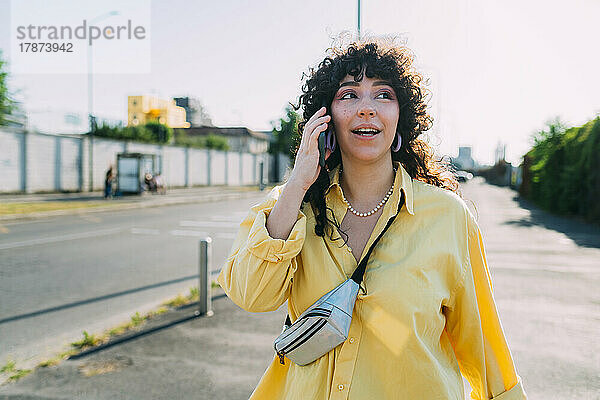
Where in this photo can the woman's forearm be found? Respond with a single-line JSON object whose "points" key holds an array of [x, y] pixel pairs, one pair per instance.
{"points": [[284, 214]]}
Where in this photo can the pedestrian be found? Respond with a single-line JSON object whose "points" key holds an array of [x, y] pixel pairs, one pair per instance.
{"points": [[108, 180], [425, 313], [160, 184]]}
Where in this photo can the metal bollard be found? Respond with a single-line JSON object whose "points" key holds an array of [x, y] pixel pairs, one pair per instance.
{"points": [[204, 284], [261, 183]]}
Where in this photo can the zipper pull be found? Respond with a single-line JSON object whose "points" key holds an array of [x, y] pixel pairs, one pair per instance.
{"points": [[281, 360]]}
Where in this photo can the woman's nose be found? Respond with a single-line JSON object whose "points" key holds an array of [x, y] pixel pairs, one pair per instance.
{"points": [[366, 108]]}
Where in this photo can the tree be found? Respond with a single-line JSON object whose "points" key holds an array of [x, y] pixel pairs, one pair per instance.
{"points": [[285, 133], [6, 103], [159, 132]]}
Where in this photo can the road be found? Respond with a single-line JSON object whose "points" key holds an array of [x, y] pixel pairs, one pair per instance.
{"points": [[63, 275]]}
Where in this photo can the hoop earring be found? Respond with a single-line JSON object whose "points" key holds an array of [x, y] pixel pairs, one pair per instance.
{"points": [[396, 147], [330, 140]]}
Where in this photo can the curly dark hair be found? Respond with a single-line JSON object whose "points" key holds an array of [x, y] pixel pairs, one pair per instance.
{"points": [[374, 58]]}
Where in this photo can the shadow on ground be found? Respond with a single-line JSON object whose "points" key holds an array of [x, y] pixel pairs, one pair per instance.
{"points": [[583, 233]]}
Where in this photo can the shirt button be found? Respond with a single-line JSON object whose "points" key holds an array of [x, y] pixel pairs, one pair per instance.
{"points": [[341, 387], [351, 340]]}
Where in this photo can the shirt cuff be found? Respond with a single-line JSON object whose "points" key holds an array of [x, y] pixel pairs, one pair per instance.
{"points": [[515, 393], [263, 246]]}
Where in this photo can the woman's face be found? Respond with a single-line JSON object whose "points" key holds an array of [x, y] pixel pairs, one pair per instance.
{"points": [[369, 104]]}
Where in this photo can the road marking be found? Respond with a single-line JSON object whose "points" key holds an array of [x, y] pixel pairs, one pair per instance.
{"points": [[226, 235], [90, 218], [188, 233], [209, 224], [63, 238], [234, 217], [549, 268], [145, 231]]}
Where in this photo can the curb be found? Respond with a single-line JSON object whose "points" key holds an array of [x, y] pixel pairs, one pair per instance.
{"points": [[128, 206]]}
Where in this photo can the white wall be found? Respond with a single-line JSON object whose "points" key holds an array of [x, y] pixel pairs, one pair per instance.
{"points": [[174, 165], [10, 166], [248, 169], [69, 164], [217, 167], [198, 167], [61, 163], [233, 168], [41, 157]]}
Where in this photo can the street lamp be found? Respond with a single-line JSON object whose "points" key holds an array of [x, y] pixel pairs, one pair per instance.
{"points": [[91, 117]]}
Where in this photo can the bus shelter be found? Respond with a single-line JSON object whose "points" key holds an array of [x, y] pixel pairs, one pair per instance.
{"points": [[131, 170]]}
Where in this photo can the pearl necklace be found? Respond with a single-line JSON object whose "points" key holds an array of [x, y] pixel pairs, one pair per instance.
{"points": [[373, 211]]}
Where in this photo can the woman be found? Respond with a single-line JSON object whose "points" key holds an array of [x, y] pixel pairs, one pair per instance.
{"points": [[108, 180], [427, 313]]}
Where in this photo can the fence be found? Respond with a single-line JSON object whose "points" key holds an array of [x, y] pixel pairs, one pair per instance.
{"points": [[34, 162]]}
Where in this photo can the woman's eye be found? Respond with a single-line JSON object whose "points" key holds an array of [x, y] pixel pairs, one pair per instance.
{"points": [[387, 95], [345, 95]]}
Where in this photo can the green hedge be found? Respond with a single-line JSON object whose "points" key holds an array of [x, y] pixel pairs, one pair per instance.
{"points": [[152, 132], [210, 141], [561, 173]]}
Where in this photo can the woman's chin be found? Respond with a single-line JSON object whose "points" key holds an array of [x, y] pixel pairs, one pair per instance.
{"points": [[366, 155]]}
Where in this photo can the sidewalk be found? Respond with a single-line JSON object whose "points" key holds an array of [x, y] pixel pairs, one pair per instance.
{"points": [[217, 357], [173, 196]]}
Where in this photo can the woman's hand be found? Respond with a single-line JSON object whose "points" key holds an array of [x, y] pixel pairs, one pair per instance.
{"points": [[306, 167]]}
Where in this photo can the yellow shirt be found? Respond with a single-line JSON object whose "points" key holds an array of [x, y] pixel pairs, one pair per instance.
{"points": [[427, 316]]}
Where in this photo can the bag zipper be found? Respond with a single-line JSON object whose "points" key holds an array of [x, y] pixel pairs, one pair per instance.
{"points": [[317, 313], [310, 332]]}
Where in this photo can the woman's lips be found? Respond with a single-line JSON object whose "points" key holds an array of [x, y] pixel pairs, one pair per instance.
{"points": [[365, 137]]}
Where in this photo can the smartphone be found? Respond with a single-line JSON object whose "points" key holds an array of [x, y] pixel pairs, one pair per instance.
{"points": [[322, 149], [322, 137]]}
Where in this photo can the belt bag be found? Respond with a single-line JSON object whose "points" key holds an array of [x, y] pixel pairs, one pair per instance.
{"points": [[326, 323]]}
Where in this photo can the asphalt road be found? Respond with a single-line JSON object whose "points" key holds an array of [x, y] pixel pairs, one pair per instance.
{"points": [[63, 275]]}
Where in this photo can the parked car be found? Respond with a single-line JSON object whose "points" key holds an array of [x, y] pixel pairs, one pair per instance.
{"points": [[463, 176]]}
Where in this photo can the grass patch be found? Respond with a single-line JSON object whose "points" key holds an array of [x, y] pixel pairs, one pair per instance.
{"points": [[62, 356], [182, 300], [176, 302], [215, 285], [19, 373], [44, 206], [94, 340], [87, 341], [15, 373], [137, 319], [8, 367]]}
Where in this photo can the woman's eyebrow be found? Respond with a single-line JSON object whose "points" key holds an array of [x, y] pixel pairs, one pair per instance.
{"points": [[376, 83]]}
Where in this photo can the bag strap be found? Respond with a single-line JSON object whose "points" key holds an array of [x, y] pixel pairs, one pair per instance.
{"points": [[359, 272]]}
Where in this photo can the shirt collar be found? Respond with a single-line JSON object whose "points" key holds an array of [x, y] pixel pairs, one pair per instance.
{"points": [[402, 181]]}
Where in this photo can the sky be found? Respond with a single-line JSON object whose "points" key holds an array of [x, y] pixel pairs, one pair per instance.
{"points": [[497, 70]]}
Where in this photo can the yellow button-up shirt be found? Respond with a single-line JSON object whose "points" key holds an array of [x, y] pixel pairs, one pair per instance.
{"points": [[428, 314]]}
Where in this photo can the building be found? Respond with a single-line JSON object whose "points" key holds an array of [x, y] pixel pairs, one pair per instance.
{"points": [[500, 153], [240, 139], [464, 161], [144, 109], [195, 113]]}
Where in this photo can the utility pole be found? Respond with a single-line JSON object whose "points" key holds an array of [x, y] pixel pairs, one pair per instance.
{"points": [[91, 117], [358, 22]]}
